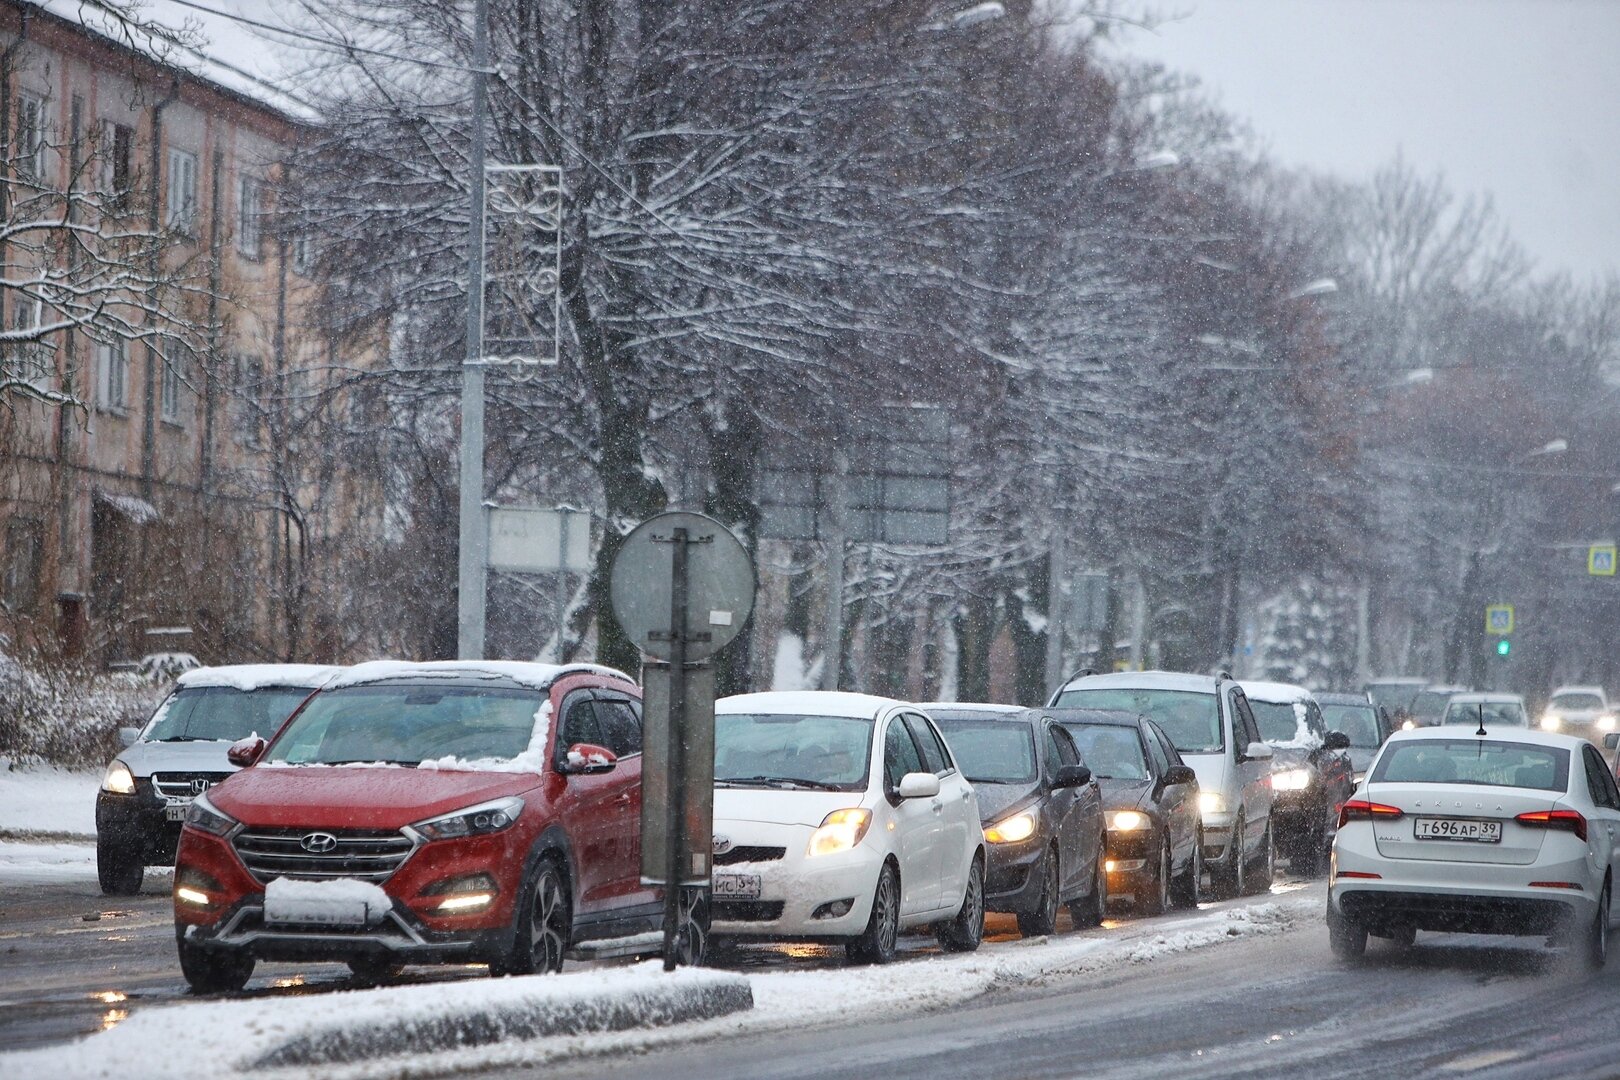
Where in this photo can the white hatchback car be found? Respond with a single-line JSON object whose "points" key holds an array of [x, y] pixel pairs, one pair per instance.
{"points": [[842, 817], [1507, 832]]}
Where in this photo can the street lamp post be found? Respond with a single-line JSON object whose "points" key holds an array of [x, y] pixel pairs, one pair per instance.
{"points": [[472, 551]]}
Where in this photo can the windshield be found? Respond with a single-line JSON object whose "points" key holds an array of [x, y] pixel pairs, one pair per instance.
{"points": [[1358, 722], [1281, 722], [1498, 713], [409, 724], [1474, 761], [1189, 717], [1582, 702], [990, 751], [1393, 696], [1111, 752], [789, 749], [223, 713], [1430, 703]]}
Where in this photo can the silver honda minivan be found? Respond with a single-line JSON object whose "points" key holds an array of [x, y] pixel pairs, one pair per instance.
{"points": [[1209, 721]]}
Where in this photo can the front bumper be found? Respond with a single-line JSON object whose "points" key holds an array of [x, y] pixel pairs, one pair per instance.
{"points": [[1296, 816], [1013, 882], [399, 936], [137, 824], [794, 888]]}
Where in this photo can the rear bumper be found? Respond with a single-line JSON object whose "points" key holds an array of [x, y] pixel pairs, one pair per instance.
{"points": [[1457, 913]]}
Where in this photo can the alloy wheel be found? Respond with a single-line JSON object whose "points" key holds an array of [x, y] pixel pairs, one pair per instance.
{"points": [[549, 924]]}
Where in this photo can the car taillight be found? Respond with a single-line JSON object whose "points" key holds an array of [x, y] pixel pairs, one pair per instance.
{"points": [[1568, 820], [1362, 810]]}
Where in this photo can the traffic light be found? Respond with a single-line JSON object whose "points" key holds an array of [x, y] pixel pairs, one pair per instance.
{"points": [[1504, 647]]}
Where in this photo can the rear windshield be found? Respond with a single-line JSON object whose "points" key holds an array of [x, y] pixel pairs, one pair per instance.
{"points": [[1358, 722], [789, 750], [1110, 752], [992, 751], [1497, 713], [410, 724], [223, 713], [1429, 703], [1474, 761], [1577, 701], [1189, 717]]}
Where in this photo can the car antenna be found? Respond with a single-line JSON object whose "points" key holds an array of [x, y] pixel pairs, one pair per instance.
{"points": [[1480, 734]]}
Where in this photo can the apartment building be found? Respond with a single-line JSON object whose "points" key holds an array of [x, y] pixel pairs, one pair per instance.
{"points": [[184, 487]]}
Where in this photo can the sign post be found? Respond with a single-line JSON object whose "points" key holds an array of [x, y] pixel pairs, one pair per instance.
{"points": [[682, 589]]}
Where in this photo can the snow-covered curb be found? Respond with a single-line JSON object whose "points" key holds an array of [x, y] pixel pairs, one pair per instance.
{"points": [[294, 1035]]}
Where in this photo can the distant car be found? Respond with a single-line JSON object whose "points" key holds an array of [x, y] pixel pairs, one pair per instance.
{"points": [[1579, 710], [1496, 710], [1430, 705], [1208, 720], [1394, 695], [1155, 833], [1311, 773], [1513, 832], [180, 753], [845, 818], [1365, 724], [1042, 813]]}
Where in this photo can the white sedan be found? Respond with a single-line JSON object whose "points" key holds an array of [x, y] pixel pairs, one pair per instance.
{"points": [[842, 817], [1464, 830]]}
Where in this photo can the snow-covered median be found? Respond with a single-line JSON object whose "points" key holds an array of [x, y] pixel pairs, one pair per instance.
{"points": [[47, 800], [22, 862]]}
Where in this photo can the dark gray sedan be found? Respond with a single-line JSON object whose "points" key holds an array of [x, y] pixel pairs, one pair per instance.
{"points": [[1042, 813]]}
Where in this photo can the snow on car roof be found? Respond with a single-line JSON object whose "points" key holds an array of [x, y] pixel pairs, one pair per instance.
{"points": [[1513, 734], [254, 676], [970, 706], [536, 676], [1485, 699], [1596, 690], [807, 702], [1146, 680], [1277, 692]]}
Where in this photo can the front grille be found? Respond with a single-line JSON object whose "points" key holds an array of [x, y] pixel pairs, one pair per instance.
{"points": [[174, 785], [368, 855], [749, 854], [746, 910]]}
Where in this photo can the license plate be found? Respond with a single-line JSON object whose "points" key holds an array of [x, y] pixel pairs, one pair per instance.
{"points": [[736, 886], [175, 810], [1441, 828], [280, 912]]}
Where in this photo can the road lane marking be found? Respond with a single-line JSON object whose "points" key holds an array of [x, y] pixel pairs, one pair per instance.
{"points": [[1483, 1060]]}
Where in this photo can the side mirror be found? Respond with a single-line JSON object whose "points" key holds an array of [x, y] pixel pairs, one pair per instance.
{"points": [[1180, 774], [1257, 751], [589, 758], [128, 735], [919, 785], [245, 752], [1611, 740], [1072, 776], [1337, 740]]}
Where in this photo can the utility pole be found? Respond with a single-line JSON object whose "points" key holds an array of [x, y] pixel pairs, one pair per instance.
{"points": [[832, 634], [474, 541], [1054, 614]]}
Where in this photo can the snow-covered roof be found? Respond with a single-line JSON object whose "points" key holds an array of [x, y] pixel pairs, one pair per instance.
{"points": [[971, 706], [1597, 690], [215, 48], [254, 676], [1280, 693], [1146, 680], [1486, 699], [537, 676], [1533, 736], [808, 703]]}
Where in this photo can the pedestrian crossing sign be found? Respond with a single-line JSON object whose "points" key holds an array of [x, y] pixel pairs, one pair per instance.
{"points": [[1600, 560], [1499, 619]]}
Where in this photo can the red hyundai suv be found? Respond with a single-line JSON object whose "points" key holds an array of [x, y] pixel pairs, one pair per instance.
{"points": [[454, 812]]}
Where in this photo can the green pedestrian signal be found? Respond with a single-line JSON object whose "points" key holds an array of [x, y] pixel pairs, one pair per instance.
{"points": [[1504, 647]]}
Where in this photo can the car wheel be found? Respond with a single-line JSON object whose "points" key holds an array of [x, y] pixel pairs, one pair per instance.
{"points": [[1043, 920], [1230, 878], [217, 971], [1347, 938], [1090, 911], [1184, 891], [1159, 903], [544, 925], [1597, 940], [118, 871], [876, 945], [692, 944], [375, 969], [966, 930], [1266, 872]]}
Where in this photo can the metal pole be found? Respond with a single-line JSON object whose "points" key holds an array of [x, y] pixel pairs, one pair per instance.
{"points": [[474, 541], [1139, 622], [1054, 614], [562, 578], [1364, 632], [832, 630], [675, 819]]}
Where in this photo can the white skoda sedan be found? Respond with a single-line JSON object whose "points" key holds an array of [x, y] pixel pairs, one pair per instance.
{"points": [[842, 817], [1465, 830]]}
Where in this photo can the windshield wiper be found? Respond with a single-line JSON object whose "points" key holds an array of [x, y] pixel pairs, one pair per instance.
{"points": [[366, 761], [779, 781], [185, 738]]}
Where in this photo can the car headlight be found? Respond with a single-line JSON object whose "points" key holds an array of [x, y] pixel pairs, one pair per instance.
{"points": [[1011, 830], [119, 780], [1551, 722], [489, 817], [203, 816], [1126, 820], [1408, 725], [1211, 802], [1291, 780], [839, 831], [1605, 722]]}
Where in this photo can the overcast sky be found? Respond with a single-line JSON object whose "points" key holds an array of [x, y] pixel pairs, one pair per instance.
{"points": [[1518, 98]]}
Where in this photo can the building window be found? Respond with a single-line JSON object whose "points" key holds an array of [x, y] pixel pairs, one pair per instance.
{"points": [[118, 163], [24, 548], [182, 191], [112, 375], [246, 376], [31, 136], [249, 213], [32, 356], [303, 254], [175, 382]]}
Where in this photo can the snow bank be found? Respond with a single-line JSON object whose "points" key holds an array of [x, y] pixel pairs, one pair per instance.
{"points": [[32, 863], [48, 800]]}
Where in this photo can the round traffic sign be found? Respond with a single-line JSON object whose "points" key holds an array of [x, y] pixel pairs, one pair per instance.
{"points": [[719, 585]]}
